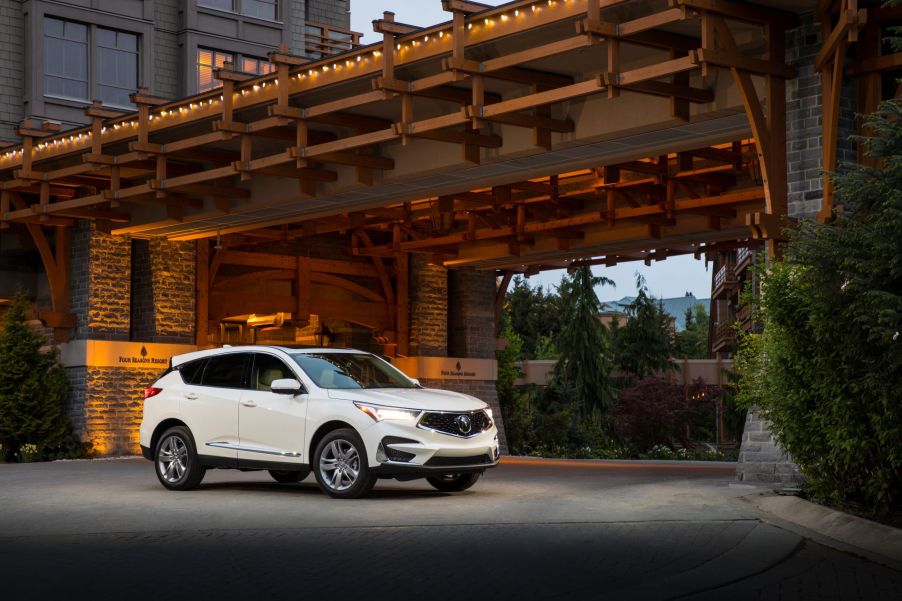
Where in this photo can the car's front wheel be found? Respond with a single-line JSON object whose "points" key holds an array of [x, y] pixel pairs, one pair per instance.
{"points": [[288, 476], [341, 467], [178, 467], [453, 482]]}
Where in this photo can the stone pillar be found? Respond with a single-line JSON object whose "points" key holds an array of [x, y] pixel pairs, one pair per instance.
{"points": [[760, 459], [428, 308], [471, 325], [163, 291]]}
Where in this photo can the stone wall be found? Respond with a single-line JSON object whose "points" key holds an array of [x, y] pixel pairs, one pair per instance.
{"points": [[329, 12], [101, 284], [167, 58], [760, 459], [428, 290]]}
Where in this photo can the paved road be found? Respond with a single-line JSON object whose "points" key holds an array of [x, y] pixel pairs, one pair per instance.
{"points": [[107, 530]]}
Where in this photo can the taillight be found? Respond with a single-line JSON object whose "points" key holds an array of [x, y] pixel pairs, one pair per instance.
{"points": [[151, 391]]}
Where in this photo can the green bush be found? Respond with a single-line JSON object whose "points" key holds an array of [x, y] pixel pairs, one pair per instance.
{"points": [[827, 369], [33, 389]]}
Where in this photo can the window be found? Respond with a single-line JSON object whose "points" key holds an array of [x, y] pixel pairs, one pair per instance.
{"points": [[65, 59], [117, 66], [257, 66], [351, 370], [226, 371], [268, 369], [192, 371], [70, 48], [261, 9], [207, 60]]}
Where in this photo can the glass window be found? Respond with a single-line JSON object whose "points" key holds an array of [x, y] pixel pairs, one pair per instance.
{"points": [[257, 66], [226, 371], [65, 59], [117, 66], [262, 9], [207, 61], [351, 370], [192, 371], [268, 369], [220, 4]]}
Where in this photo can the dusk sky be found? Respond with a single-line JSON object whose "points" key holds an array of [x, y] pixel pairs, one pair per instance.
{"points": [[666, 279]]}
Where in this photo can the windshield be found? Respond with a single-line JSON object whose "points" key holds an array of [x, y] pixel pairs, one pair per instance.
{"points": [[350, 370]]}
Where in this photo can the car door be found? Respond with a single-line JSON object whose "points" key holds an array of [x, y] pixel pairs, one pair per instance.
{"points": [[271, 426], [210, 408]]}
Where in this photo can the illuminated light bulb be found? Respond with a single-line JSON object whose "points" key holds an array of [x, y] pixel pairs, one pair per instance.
{"points": [[358, 58], [469, 26], [376, 53], [347, 63], [397, 46], [441, 34], [517, 13], [325, 67], [426, 39], [533, 8], [486, 21], [256, 87], [310, 71], [263, 85], [504, 17]]}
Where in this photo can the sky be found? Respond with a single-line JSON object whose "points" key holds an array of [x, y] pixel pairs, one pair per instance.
{"points": [[665, 279]]}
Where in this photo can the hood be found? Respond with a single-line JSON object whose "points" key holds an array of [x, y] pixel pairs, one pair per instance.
{"points": [[428, 399]]}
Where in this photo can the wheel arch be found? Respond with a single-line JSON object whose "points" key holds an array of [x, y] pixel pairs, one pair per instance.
{"points": [[165, 425], [321, 432]]}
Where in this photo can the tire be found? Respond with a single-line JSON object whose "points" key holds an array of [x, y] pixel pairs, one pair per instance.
{"points": [[175, 460], [454, 482], [340, 465], [289, 476]]}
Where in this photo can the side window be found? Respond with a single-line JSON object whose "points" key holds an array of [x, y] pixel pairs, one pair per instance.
{"points": [[266, 370], [226, 371], [192, 371]]}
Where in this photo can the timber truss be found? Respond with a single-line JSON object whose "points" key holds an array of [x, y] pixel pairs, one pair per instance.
{"points": [[298, 146]]}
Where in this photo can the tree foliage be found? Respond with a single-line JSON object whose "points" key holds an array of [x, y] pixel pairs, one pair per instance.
{"points": [[534, 314], [643, 346], [692, 342], [33, 388], [827, 369], [585, 362], [657, 412], [515, 407]]}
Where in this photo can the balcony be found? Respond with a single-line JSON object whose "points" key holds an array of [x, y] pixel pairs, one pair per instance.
{"points": [[724, 337], [325, 40], [744, 258], [724, 280]]}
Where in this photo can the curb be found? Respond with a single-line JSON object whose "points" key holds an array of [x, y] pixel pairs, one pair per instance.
{"points": [[877, 539], [634, 463]]}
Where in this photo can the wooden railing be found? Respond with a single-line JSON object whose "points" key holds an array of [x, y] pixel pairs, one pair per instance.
{"points": [[743, 257], [725, 276], [724, 335], [324, 40]]}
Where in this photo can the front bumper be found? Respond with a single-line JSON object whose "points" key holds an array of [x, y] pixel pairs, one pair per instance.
{"points": [[399, 449]]}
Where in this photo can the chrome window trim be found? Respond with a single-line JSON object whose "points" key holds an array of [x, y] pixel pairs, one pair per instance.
{"points": [[238, 447]]}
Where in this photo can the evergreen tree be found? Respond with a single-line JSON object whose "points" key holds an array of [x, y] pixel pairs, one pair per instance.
{"points": [[533, 314], [514, 404], [33, 388], [643, 346], [692, 342], [584, 344]]}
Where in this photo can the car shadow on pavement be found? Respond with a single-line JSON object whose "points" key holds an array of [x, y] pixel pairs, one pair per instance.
{"points": [[310, 488]]}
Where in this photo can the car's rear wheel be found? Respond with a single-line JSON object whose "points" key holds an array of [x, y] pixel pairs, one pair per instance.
{"points": [[177, 464], [453, 482], [341, 467], [289, 476]]}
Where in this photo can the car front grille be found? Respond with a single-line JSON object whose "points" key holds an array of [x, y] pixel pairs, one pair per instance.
{"points": [[459, 461], [455, 424]]}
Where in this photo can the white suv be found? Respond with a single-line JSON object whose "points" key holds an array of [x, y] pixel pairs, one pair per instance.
{"points": [[348, 415]]}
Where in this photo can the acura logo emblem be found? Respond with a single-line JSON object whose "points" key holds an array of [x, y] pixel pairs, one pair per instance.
{"points": [[464, 424]]}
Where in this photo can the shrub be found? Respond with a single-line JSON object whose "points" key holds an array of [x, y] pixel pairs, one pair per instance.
{"points": [[657, 412], [827, 369], [33, 391]]}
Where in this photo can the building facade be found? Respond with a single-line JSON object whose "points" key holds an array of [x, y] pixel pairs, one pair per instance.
{"points": [[59, 55]]}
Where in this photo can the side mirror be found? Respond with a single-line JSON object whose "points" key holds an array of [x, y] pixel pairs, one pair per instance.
{"points": [[415, 381], [286, 386]]}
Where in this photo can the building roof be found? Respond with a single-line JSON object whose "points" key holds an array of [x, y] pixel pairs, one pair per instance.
{"points": [[675, 307]]}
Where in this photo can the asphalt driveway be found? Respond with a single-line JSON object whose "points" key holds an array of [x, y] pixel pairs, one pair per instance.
{"points": [[530, 530]]}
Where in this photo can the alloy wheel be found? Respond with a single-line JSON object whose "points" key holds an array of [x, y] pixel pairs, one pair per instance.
{"points": [[339, 464], [172, 460]]}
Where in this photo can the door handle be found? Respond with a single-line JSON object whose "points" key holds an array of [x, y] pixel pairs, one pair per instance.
{"points": [[190, 396], [249, 403]]}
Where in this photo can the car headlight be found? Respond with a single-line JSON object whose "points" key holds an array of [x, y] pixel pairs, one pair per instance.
{"points": [[381, 412]]}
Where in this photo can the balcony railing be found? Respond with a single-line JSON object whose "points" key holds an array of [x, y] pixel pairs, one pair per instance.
{"points": [[724, 278], [326, 40], [743, 258], [724, 336]]}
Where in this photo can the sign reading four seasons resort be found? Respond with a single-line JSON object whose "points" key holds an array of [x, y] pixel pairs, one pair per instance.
{"points": [[447, 368], [128, 355]]}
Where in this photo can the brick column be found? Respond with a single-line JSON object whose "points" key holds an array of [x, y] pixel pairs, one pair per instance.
{"points": [[428, 308], [163, 291]]}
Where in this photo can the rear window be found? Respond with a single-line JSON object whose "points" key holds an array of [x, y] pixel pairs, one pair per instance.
{"points": [[226, 371], [192, 371]]}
